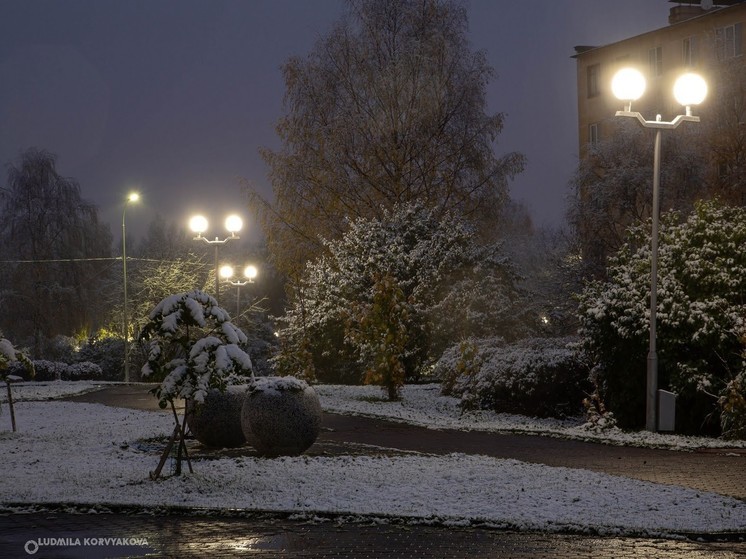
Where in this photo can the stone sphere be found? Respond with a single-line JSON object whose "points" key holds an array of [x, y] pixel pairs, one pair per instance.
{"points": [[281, 416], [216, 422]]}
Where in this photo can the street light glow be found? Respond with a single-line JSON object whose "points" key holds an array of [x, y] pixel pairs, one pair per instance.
{"points": [[198, 224], [233, 224], [628, 84], [690, 89], [250, 272], [226, 272], [133, 197]]}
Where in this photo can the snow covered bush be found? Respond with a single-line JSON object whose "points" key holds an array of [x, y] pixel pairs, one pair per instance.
{"points": [[391, 295], [732, 400], [84, 370], [540, 377], [11, 360], [193, 347], [701, 287], [107, 351], [49, 370]]}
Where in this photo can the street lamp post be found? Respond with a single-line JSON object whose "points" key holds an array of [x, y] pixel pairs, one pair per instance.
{"points": [[628, 85], [132, 197], [198, 224], [250, 272]]}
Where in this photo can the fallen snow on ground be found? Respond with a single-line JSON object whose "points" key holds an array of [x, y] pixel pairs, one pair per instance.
{"points": [[88, 454], [423, 405], [33, 391]]}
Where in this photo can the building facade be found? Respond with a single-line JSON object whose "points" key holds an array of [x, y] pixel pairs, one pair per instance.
{"points": [[702, 36]]}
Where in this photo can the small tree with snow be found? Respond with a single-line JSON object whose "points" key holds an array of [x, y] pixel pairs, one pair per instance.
{"points": [[193, 347], [8, 355], [379, 330]]}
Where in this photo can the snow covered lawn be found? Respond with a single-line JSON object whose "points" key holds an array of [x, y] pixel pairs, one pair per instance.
{"points": [[424, 406], [87, 454]]}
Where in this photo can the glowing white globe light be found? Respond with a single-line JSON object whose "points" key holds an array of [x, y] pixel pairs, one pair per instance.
{"points": [[250, 272], [690, 89], [233, 223], [198, 224], [628, 84], [226, 272]]}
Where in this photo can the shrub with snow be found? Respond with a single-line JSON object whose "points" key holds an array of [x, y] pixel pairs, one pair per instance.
{"points": [[541, 377], [193, 347], [13, 362], [49, 370], [107, 352], [390, 296], [701, 312], [82, 371]]}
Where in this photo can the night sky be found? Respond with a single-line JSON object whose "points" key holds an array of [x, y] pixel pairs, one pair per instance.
{"points": [[174, 97]]}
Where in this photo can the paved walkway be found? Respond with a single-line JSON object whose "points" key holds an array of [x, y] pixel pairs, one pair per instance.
{"points": [[267, 536]]}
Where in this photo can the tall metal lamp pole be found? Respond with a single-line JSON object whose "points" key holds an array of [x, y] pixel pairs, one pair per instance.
{"points": [[132, 197], [250, 272], [628, 85]]}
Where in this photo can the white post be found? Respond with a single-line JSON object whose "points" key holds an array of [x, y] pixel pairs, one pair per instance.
{"points": [[651, 415]]}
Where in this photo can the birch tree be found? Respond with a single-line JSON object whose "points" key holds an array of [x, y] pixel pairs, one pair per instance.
{"points": [[54, 247]]}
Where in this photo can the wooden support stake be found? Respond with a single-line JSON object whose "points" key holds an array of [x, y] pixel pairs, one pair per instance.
{"points": [[176, 437], [182, 441], [10, 405], [154, 475]]}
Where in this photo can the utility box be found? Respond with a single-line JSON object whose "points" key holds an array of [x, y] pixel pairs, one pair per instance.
{"points": [[666, 411]]}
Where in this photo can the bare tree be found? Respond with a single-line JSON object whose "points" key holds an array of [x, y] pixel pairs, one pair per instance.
{"points": [[612, 188], [53, 246], [389, 107]]}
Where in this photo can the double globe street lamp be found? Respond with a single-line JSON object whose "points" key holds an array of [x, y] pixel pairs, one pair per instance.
{"points": [[690, 89], [233, 224], [249, 272]]}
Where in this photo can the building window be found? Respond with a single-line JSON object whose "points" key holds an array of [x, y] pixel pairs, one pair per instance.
{"points": [[593, 134], [690, 51], [728, 41], [655, 56], [593, 76]]}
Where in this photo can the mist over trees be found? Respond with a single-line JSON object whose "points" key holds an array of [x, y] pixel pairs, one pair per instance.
{"points": [[389, 107]]}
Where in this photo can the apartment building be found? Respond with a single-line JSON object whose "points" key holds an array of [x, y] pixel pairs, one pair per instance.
{"points": [[705, 36]]}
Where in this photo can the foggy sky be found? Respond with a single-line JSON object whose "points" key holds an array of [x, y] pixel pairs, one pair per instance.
{"points": [[175, 97]]}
